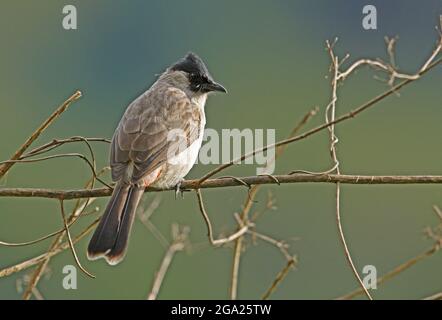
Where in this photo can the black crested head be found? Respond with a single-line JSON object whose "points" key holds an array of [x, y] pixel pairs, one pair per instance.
{"points": [[191, 63], [198, 74]]}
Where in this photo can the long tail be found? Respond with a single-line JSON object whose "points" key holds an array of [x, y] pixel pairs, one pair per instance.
{"points": [[111, 237]]}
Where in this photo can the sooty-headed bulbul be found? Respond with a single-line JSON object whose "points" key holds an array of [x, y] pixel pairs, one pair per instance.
{"points": [[155, 144]]}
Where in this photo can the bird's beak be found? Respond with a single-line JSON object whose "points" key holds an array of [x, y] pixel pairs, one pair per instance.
{"points": [[214, 86]]}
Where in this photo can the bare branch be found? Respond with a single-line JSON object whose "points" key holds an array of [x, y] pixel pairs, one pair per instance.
{"points": [[71, 244], [319, 128], [228, 182], [64, 155], [249, 202], [179, 242], [77, 211], [221, 241], [396, 271], [6, 166], [279, 278], [144, 217], [330, 115], [281, 245], [38, 259], [59, 142], [436, 296], [435, 234], [391, 68]]}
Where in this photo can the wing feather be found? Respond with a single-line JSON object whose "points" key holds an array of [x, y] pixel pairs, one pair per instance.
{"points": [[152, 130]]}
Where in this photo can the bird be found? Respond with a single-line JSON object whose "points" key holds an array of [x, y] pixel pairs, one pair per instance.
{"points": [[155, 144]]}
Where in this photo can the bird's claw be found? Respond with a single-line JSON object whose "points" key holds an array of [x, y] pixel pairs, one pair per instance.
{"points": [[179, 190]]}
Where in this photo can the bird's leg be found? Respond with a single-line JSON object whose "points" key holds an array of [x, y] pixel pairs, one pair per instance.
{"points": [[179, 190]]}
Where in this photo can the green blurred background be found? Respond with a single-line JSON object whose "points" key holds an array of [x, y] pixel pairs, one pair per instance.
{"points": [[270, 55]]}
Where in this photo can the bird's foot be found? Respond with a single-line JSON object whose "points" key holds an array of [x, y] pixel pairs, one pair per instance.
{"points": [[179, 190]]}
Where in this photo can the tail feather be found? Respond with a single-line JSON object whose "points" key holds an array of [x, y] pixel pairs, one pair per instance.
{"points": [[120, 246], [111, 236]]}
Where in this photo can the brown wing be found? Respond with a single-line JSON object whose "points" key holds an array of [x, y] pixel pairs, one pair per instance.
{"points": [[155, 127]]}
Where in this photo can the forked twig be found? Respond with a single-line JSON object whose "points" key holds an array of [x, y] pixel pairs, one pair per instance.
{"points": [[217, 242], [248, 205], [180, 238]]}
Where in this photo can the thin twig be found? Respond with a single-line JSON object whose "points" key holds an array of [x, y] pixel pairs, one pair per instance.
{"points": [[216, 242], [178, 244], [279, 278], [249, 202], [6, 166], [436, 296], [438, 212], [27, 243], [144, 217], [59, 142], [291, 260], [331, 110], [391, 68], [396, 271], [38, 259], [71, 244], [64, 155], [338, 75], [281, 245], [77, 211]]}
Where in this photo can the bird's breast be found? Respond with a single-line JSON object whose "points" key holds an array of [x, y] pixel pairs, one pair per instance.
{"points": [[177, 167]]}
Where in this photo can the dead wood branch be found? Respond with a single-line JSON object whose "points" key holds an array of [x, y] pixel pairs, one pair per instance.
{"points": [[229, 182]]}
